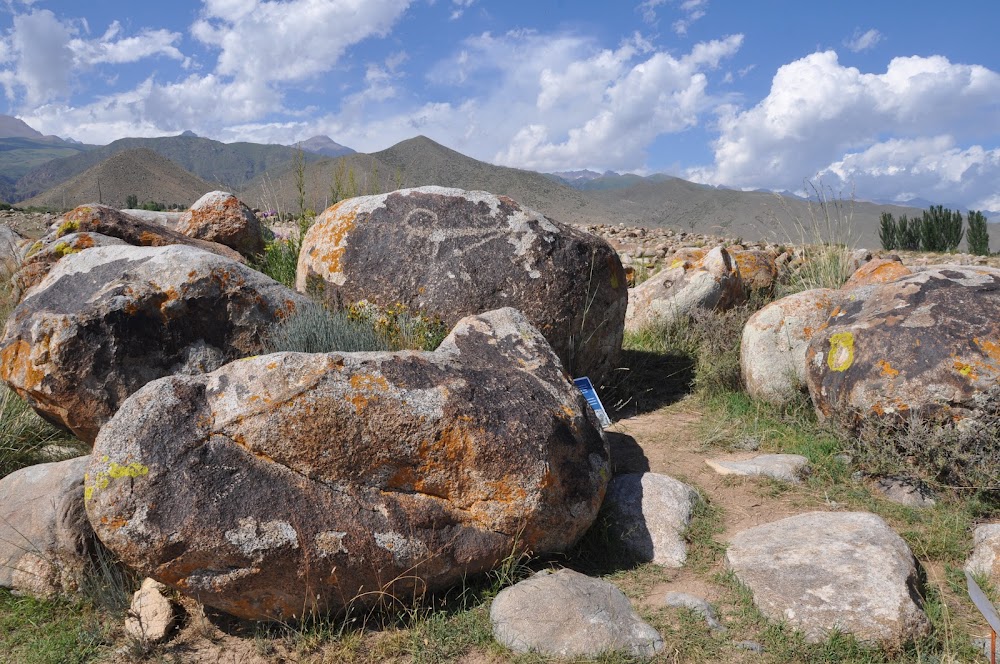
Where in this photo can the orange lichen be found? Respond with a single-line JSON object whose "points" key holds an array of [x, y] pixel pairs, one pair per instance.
{"points": [[878, 271], [16, 366], [966, 370], [329, 237], [887, 369], [991, 349]]}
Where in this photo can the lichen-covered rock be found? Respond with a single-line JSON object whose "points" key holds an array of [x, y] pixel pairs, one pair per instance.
{"points": [[94, 218], [218, 216], [44, 533], [713, 283], [826, 572], [568, 614], [41, 256], [108, 320], [291, 482], [775, 340], [878, 271], [757, 268], [926, 344], [166, 218], [451, 253]]}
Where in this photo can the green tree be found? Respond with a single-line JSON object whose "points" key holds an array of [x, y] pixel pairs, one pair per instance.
{"points": [[339, 175], [131, 202], [979, 236], [887, 231], [940, 229], [352, 183], [300, 180], [907, 233], [373, 183]]}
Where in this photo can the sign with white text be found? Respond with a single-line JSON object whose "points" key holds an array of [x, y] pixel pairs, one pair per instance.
{"points": [[587, 388]]}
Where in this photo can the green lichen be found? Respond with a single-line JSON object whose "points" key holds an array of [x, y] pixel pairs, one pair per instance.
{"points": [[115, 471], [67, 227], [35, 248], [64, 249]]}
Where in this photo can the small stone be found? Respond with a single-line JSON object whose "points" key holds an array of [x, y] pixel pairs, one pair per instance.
{"points": [[784, 467], [750, 646], [151, 616], [568, 614], [905, 492], [696, 604], [985, 557]]}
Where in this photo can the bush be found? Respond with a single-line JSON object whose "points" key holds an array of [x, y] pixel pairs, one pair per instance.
{"points": [[978, 237], [315, 329], [887, 231], [279, 261], [400, 327]]}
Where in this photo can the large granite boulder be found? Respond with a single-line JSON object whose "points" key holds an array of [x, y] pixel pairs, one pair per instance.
{"points": [[926, 344], [171, 220], [108, 320], [449, 253], [44, 533], [218, 216], [42, 256], [775, 340], [712, 283], [758, 269], [568, 614], [826, 572], [10, 243], [294, 482]]}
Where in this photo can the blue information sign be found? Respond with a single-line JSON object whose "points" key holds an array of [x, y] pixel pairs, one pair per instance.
{"points": [[587, 388]]}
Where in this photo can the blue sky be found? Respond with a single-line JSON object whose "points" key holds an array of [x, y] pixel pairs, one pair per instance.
{"points": [[895, 100]]}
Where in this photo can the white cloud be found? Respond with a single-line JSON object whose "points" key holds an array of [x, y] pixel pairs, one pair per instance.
{"points": [[38, 47], [146, 44], [862, 41], [459, 8], [819, 113]]}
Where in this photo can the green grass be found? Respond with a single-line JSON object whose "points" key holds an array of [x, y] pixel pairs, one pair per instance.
{"points": [[34, 631]]}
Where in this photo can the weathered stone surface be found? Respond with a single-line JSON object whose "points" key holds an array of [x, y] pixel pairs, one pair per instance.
{"points": [[469, 252], [41, 256], [108, 320], [826, 571], [925, 344], [151, 615], [784, 467], [94, 218], [696, 604], [878, 271], [293, 480], [648, 514], [713, 283], [775, 340], [218, 216], [568, 614], [44, 532], [757, 269], [985, 557]]}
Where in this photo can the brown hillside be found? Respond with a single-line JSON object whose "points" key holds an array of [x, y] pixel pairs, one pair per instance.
{"points": [[140, 172]]}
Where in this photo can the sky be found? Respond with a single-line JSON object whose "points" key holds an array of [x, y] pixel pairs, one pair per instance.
{"points": [[883, 99]]}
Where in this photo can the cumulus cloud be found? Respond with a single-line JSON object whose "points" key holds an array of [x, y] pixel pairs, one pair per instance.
{"points": [[862, 41], [108, 49], [819, 114]]}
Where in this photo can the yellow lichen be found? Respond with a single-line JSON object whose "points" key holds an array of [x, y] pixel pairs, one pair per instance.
{"points": [[67, 227], [841, 355]]}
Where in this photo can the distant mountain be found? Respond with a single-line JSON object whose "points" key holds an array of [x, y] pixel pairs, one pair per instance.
{"points": [[230, 165], [585, 175], [11, 127], [324, 145], [138, 172]]}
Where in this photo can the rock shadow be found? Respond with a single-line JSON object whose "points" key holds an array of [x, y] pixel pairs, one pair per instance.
{"points": [[645, 382]]}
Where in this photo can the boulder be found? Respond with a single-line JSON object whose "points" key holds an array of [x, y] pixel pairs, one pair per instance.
{"points": [[649, 513], [94, 218], [44, 533], [291, 482], [757, 269], [449, 253], [823, 572], [775, 340], [926, 344], [108, 320], [713, 283], [171, 220], [220, 217], [568, 614], [906, 492], [10, 243], [151, 616], [985, 557], [878, 271]]}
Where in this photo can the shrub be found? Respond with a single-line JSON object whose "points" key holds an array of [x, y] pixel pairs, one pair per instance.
{"points": [[940, 229], [908, 234], [401, 328], [887, 231], [315, 329], [978, 237], [280, 260]]}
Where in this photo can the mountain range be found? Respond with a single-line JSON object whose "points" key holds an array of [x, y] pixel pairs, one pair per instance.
{"points": [[178, 169]]}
